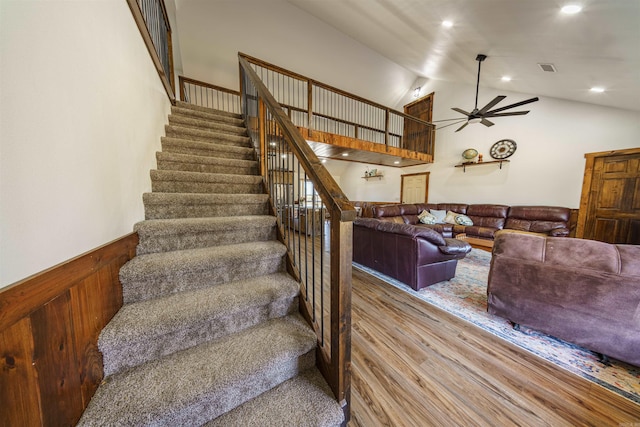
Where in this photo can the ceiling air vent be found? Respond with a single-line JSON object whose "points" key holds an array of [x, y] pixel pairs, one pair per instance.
{"points": [[549, 68]]}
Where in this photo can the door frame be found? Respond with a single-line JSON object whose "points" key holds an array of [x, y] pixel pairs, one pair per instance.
{"points": [[426, 191]]}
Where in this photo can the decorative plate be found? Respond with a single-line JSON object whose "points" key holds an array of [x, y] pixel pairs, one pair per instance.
{"points": [[469, 153], [503, 149]]}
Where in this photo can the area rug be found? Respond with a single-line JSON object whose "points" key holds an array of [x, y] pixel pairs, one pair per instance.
{"points": [[465, 296]]}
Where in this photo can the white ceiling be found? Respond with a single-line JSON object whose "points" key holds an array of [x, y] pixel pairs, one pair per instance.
{"points": [[600, 46]]}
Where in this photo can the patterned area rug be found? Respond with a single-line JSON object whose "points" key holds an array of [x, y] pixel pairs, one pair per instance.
{"points": [[465, 296]]}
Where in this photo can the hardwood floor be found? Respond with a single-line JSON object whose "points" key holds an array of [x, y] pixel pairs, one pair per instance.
{"points": [[416, 365]]}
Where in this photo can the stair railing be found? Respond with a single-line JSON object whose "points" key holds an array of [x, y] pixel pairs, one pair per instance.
{"points": [[208, 95], [315, 222], [314, 106], [153, 22]]}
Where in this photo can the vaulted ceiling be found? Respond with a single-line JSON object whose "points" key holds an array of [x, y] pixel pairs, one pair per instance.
{"points": [[597, 47]]}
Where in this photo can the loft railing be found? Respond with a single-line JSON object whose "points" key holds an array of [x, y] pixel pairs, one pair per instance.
{"points": [[319, 107], [314, 221], [208, 95], [153, 23]]}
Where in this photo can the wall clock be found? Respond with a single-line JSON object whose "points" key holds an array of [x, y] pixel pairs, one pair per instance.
{"points": [[503, 149]]}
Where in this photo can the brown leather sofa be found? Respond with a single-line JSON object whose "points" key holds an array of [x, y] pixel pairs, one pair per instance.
{"points": [[582, 291], [487, 218], [416, 256]]}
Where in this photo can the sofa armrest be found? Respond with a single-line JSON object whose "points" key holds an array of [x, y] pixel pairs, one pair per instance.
{"points": [[455, 247], [413, 231]]}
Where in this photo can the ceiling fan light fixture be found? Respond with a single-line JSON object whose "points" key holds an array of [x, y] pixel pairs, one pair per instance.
{"points": [[475, 120]]}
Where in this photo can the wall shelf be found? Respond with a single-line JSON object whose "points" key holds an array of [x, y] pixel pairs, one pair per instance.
{"points": [[379, 176], [464, 166]]}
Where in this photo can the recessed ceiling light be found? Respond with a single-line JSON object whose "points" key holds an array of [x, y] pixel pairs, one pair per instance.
{"points": [[324, 160], [447, 24], [345, 154], [570, 9], [597, 89], [397, 162], [506, 79]]}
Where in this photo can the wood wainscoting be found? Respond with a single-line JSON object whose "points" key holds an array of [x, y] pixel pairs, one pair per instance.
{"points": [[50, 365]]}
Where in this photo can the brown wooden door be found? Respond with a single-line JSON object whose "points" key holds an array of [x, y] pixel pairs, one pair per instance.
{"points": [[610, 205], [415, 137]]}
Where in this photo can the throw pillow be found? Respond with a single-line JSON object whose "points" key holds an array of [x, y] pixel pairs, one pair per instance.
{"points": [[450, 218], [439, 215], [463, 220], [427, 218]]}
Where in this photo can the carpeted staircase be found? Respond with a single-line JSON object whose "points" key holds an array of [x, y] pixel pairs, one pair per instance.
{"points": [[209, 333]]}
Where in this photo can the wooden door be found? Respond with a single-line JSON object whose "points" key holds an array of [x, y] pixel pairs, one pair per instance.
{"points": [[414, 188], [416, 137], [610, 203]]}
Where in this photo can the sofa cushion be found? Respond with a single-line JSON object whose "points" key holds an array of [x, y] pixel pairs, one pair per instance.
{"points": [[426, 217], [463, 220], [450, 218], [539, 219], [440, 215], [455, 207]]}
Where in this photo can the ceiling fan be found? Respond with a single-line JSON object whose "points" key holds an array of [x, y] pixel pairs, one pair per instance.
{"points": [[480, 116]]}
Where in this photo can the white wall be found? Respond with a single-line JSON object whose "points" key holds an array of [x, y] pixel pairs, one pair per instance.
{"points": [[81, 115], [213, 32], [547, 167]]}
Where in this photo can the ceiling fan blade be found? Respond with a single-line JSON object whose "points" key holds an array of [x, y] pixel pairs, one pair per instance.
{"points": [[448, 120], [461, 111], [486, 122], [517, 104], [513, 113], [462, 127], [491, 104], [451, 124]]}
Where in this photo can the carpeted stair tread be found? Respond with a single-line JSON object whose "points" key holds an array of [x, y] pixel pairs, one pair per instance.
{"points": [[200, 205], [150, 329], [193, 107], [163, 235], [192, 163], [170, 181], [187, 146], [208, 125], [206, 136], [303, 401], [214, 115], [196, 385], [164, 273]]}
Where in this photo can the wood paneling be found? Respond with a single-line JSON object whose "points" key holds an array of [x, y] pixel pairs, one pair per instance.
{"points": [[49, 327]]}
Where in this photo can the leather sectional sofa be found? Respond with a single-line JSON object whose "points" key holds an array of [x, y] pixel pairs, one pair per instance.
{"points": [[487, 218], [416, 256], [583, 291]]}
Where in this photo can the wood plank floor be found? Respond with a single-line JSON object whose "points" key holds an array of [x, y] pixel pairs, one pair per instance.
{"points": [[416, 365]]}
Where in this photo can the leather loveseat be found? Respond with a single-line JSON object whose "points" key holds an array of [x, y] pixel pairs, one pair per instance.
{"points": [[487, 218], [582, 291], [416, 256]]}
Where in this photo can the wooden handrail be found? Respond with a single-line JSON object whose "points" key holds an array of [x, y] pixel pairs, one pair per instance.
{"points": [[183, 79], [326, 186], [334, 363]]}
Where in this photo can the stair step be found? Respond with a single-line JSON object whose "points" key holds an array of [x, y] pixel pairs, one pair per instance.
{"points": [[303, 401], [208, 125], [214, 115], [192, 163], [182, 132], [199, 205], [196, 385], [187, 146], [165, 235], [151, 329], [193, 107], [165, 273], [170, 181]]}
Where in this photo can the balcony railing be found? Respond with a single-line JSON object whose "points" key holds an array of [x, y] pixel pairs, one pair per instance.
{"points": [[314, 221], [319, 107], [208, 95]]}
